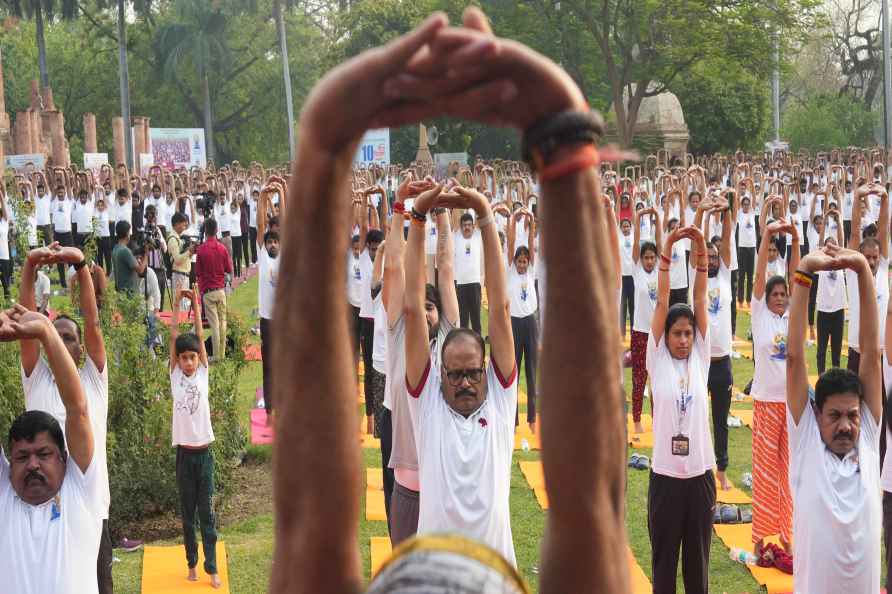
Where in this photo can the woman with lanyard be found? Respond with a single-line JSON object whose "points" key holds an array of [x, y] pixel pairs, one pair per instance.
{"points": [[644, 255], [524, 305], [772, 499], [682, 492]]}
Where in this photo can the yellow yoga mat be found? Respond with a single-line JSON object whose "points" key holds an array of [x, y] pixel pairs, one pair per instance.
{"points": [[522, 432], [522, 396], [640, 584], [379, 551], [744, 415], [374, 481], [369, 441], [741, 535], [641, 440], [374, 506], [164, 571]]}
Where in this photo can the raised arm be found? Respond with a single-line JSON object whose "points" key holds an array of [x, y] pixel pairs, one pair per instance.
{"points": [[870, 370], [30, 349], [197, 325], [22, 324], [661, 308], [446, 268], [883, 222], [855, 237], [93, 340]]}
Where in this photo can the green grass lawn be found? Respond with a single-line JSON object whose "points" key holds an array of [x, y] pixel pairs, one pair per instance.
{"points": [[250, 542]]}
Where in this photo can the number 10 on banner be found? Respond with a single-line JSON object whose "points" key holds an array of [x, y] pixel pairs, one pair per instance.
{"points": [[368, 152]]}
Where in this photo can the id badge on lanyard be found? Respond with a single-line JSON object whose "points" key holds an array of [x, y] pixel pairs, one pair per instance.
{"points": [[681, 442]]}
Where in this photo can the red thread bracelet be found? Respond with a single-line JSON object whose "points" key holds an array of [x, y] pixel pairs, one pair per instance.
{"points": [[582, 158], [399, 207]]}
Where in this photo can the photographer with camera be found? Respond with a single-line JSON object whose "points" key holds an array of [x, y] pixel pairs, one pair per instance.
{"points": [[155, 249], [180, 247]]}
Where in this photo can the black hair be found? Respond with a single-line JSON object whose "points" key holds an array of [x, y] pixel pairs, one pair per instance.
{"points": [[466, 218], [270, 236], [522, 251], [178, 218], [837, 381], [675, 313], [457, 333], [151, 210], [773, 282], [648, 246], [869, 242], [138, 249], [73, 321], [33, 422], [354, 239], [156, 187], [374, 236], [186, 343], [210, 227], [122, 229], [274, 221], [869, 232], [122, 192], [432, 294]]}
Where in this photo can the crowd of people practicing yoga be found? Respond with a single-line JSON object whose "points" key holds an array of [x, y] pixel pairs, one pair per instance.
{"points": [[558, 248]]}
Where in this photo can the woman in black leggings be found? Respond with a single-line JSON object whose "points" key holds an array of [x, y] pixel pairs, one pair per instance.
{"points": [[830, 301], [524, 305]]}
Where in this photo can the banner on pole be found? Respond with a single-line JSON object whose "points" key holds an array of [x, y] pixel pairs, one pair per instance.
{"points": [[178, 147], [20, 163], [374, 148]]}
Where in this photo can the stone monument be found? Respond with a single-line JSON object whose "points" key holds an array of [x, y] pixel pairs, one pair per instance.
{"points": [[424, 152], [40, 129], [661, 124]]}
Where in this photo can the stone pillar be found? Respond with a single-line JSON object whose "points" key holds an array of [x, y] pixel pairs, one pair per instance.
{"points": [[35, 95], [5, 126], [22, 133], [148, 137], [48, 103], [57, 139], [120, 154], [139, 138], [90, 133], [424, 153], [2, 96]]}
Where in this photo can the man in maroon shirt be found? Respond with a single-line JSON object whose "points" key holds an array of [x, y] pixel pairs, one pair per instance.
{"points": [[211, 266]]}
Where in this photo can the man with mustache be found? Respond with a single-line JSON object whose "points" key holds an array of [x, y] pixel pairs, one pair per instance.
{"points": [[51, 503], [834, 444], [41, 385]]}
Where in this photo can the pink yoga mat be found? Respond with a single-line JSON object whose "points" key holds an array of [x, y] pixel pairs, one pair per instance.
{"points": [[260, 433]]}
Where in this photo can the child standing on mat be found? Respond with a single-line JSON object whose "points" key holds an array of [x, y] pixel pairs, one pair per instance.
{"points": [[192, 436]]}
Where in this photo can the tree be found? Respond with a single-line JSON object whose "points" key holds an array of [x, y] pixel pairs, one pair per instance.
{"points": [[725, 107], [824, 122], [38, 10], [647, 44], [198, 37]]}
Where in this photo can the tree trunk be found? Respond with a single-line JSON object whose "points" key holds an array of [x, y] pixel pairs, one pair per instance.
{"points": [[124, 82], [41, 48], [208, 117], [286, 73]]}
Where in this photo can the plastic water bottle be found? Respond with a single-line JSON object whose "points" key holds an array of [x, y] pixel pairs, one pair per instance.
{"points": [[743, 556], [525, 445]]}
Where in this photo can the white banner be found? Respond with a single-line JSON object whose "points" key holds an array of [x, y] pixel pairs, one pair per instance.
{"points": [[20, 162], [146, 161], [94, 162], [374, 148], [178, 147]]}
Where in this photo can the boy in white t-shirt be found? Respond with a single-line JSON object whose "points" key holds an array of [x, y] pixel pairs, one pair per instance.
{"points": [[192, 435]]}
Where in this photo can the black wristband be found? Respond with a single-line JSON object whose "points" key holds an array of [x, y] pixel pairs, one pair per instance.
{"points": [[80, 264], [545, 137], [418, 216]]}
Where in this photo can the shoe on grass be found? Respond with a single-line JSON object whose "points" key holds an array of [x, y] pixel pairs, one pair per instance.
{"points": [[128, 546]]}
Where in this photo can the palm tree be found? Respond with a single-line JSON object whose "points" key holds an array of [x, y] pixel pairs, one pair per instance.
{"points": [[198, 37], [40, 10]]}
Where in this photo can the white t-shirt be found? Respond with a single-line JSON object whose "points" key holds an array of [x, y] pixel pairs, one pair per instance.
{"points": [[42, 393], [678, 275], [359, 273], [886, 474], [465, 463], [221, 213], [123, 212], [467, 257], [379, 350], [625, 251], [41, 287], [770, 349], [82, 216], [4, 239], [881, 280], [266, 284], [42, 209], [191, 422], [235, 223], [52, 547], [368, 267], [522, 292], [681, 381], [746, 229], [831, 291], [152, 294], [102, 218], [837, 513], [645, 298], [847, 206], [430, 237], [776, 268], [61, 213], [718, 305]]}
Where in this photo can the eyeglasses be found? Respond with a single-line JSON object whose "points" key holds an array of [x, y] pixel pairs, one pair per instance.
{"points": [[456, 376]]}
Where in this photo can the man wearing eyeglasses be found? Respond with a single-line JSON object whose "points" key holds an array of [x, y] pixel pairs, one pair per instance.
{"points": [[464, 405]]}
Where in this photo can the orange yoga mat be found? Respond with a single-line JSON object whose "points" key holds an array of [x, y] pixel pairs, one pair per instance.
{"points": [[732, 495], [374, 506], [379, 551], [522, 432], [741, 535], [164, 571]]}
